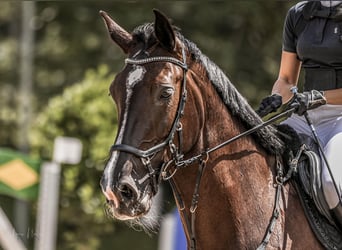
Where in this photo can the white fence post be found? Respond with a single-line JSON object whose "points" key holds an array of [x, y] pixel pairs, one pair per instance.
{"points": [[9, 240], [48, 207]]}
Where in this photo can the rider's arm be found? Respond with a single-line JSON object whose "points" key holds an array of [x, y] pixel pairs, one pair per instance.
{"points": [[288, 75]]}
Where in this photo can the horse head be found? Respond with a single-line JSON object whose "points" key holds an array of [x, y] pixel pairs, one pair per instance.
{"points": [[150, 94]]}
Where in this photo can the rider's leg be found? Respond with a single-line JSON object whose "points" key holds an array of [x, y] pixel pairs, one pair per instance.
{"points": [[332, 132], [333, 154]]}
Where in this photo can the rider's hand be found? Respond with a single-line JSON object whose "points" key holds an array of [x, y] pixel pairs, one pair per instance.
{"points": [[308, 100], [269, 104]]}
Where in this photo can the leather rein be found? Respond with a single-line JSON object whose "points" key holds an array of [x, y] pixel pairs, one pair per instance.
{"points": [[163, 173]]}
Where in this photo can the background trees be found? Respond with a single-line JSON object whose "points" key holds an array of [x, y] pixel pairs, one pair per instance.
{"points": [[70, 88]]}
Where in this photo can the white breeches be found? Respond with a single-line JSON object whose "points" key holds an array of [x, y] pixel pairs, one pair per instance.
{"points": [[327, 120]]}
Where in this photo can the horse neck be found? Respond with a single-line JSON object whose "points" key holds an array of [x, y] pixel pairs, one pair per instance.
{"points": [[236, 194]]}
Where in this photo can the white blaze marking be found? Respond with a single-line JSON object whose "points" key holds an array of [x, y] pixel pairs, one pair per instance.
{"points": [[135, 76]]}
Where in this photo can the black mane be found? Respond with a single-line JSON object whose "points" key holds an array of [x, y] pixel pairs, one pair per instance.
{"points": [[234, 101]]}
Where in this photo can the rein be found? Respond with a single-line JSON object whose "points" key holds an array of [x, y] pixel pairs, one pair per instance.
{"points": [[184, 163], [155, 176]]}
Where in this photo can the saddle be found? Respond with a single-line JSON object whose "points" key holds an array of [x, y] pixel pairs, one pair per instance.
{"points": [[307, 181]]}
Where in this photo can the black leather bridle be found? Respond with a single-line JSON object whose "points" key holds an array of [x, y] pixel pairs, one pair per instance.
{"points": [[147, 155]]}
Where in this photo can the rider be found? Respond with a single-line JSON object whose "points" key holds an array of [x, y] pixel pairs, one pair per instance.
{"points": [[312, 40]]}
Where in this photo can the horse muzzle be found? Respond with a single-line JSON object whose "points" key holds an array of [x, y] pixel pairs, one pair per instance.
{"points": [[125, 199]]}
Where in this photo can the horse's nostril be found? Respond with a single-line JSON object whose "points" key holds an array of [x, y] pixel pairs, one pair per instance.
{"points": [[127, 191]]}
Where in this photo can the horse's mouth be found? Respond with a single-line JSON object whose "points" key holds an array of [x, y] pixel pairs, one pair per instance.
{"points": [[129, 210]]}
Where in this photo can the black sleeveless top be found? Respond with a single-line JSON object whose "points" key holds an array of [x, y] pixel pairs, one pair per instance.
{"points": [[314, 33], [316, 41]]}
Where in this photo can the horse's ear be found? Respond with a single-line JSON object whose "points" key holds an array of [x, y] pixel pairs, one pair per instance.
{"points": [[164, 31], [120, 36]]}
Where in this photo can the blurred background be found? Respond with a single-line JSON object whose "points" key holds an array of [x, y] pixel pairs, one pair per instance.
{"points": [[56, 64]]}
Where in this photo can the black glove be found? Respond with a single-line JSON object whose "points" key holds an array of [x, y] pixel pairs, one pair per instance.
{"points": [[269, 104], [308, 100]]}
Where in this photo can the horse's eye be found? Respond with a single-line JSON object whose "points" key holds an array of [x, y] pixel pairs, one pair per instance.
{"points": [[166, 93]]}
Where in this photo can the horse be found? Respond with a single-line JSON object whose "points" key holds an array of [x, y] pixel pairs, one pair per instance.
{"points": [[182, 120]]}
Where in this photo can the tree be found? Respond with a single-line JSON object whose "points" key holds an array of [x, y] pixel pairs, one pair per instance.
{"points": [[242, 37]]}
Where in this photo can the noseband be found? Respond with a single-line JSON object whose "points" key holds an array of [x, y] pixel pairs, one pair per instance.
{"points": [[147, 155]]}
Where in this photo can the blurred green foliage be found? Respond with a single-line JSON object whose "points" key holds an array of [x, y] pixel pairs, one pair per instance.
{"points": [[83, 111], [242, 37]]}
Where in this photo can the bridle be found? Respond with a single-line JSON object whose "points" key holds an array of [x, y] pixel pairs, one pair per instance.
{"points": [[156, 175], [147, 155]]}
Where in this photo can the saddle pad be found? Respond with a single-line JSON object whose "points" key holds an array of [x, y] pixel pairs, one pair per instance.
{"points": [[329, 236], [309, 171]]}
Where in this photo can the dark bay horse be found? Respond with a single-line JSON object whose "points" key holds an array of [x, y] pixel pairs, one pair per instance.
{"points": [[175, 106]]}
